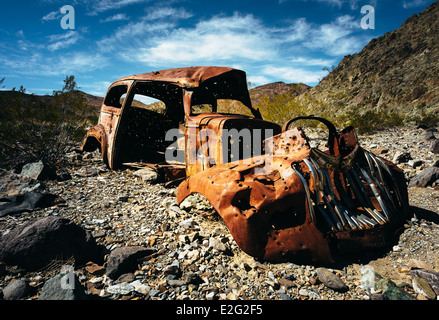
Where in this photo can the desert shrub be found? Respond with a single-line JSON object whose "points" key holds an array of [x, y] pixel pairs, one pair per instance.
{"points": [[421, 117], [32, 129]]}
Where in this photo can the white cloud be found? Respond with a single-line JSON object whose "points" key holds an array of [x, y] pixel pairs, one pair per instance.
{"points": [[100, 6], [335, 38], [116, 17], [61, 65], [312, 62], [258, 80], [132, 35], [218, 39], [295, 75], [61, 41], [413, 3], [167, 12], [54, 15]]}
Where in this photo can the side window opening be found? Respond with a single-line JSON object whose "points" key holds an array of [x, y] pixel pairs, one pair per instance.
{"points": [[155, 108], [116, 96]]}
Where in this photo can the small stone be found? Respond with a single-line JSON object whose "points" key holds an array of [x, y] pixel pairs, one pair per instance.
{"points": [[95, 269], [401, 157], [219, 245], [123, 259], [381, 151], [435, 146], [147, 175], [176, 283], [421, 286], [122, 199], [16, 290], [284, 296], [126, 277], [303, 292], [121, 288], [187, 224], [210, 295], [415, 163], [429, 135], [171, 269], [140, 287], [331, 280], [286, 283], [154, 293]]}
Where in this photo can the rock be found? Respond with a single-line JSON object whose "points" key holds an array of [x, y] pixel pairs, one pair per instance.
{"points": [[27, 202], [425, 178], [16, 290], [121, 288], [418, 264], [64, 286], [186, 204], [35, 244], [123, 260], [192, 278], [95, 269], [391, 291], [435, 146], [154, 293], [140, 287], [429, 135], [284, 296], [38, 171], [331, 280], [176, 282], [171, 269], [12, 184], [415, 163], [421, 286], [147, 175], [286, 283], [381, 151], [219, 245], [401, 157], [126, 277], [431, 277], [187, 224], [2, 268]]}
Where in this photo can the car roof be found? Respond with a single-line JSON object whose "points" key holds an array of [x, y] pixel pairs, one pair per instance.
{"points": [[188, 77]]}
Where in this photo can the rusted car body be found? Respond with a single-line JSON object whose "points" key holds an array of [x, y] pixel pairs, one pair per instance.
{"points": [[281, 199]]}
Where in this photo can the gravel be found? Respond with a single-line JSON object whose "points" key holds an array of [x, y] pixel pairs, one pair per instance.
{"points": [[196, 257]]}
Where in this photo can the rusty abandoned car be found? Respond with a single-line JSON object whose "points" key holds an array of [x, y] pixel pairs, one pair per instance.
{"points": [[281, 199]]}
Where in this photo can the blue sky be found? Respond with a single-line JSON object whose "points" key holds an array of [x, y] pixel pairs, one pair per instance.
{"points": [[272, 40]]}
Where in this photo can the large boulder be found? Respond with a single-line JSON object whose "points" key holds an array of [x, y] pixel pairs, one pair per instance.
{"points": [[35, 244]]}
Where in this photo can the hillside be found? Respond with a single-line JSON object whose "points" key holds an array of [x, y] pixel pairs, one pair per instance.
{"points": [[91, 100], [271, 90], [398, 71]]}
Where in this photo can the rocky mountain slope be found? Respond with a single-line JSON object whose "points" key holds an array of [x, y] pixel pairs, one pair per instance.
{"points": [[397, 71]]}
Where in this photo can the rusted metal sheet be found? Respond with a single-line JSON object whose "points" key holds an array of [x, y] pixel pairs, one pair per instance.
{"points": [[305, 205], [281, 199]]}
